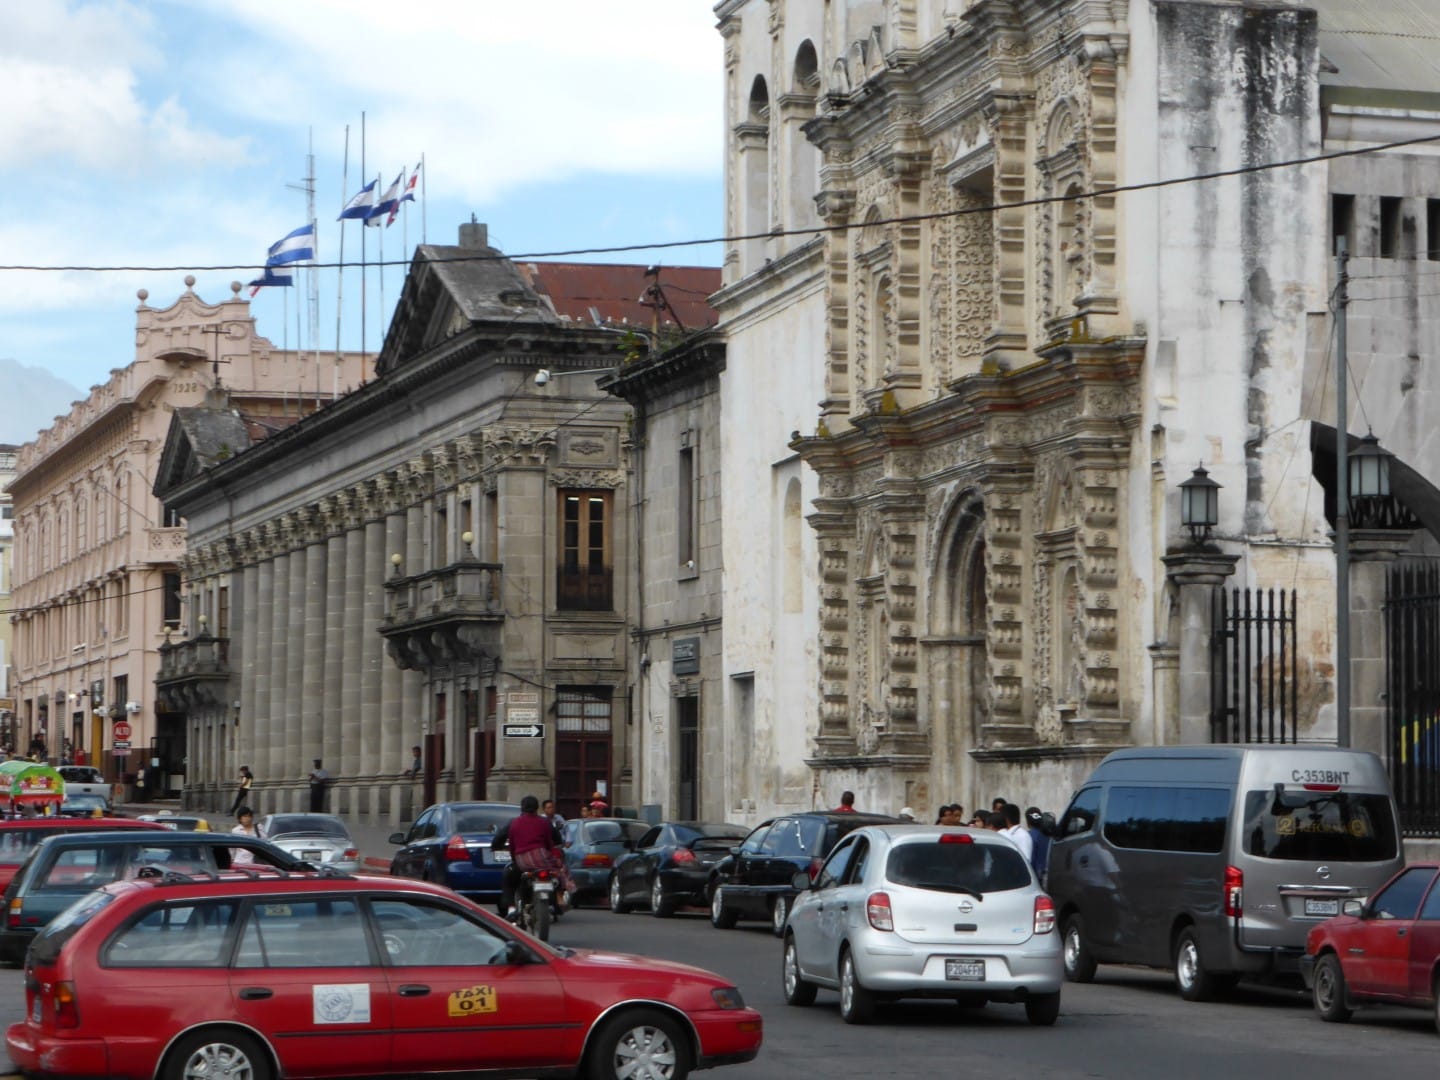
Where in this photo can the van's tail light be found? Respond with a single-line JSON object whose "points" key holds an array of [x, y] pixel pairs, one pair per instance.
{"points": [[814, 869], [1234, 891], [67, 1012], [457, 850], [596, 859], [877, 910], [17, 910], [683, 855], [1044, 915]]}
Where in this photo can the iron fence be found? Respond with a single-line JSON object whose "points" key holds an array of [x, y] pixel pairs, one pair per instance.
{"points": [[1412, 675], [1254, 669]]}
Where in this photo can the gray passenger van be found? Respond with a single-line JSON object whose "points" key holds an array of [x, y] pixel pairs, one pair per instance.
{"points": [[1217, 860]]}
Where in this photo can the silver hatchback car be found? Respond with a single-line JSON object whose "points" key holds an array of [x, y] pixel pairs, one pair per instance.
{"points": [[924, 911]]}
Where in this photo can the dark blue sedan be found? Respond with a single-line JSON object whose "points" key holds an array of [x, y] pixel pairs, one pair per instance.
{"points": [[450, 844], [672, 864]]}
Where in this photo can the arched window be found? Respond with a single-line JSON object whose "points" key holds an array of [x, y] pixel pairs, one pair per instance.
{"points": [[791, 537], [754, 140], [102, 496], [82, 521], [804, 168]]}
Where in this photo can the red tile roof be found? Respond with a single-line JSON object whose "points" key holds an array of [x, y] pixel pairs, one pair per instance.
{"points": [[580, 291]]}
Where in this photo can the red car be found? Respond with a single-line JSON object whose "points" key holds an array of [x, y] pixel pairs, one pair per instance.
{"points": [[1386, 951], [18, 836], [269, 974]]}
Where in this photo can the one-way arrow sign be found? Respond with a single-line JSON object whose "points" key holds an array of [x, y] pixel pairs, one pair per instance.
{"points": [[524, 731]]}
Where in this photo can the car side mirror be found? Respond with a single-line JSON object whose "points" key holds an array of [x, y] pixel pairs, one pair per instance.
{"points": [[1353, 907], [517, 953], [397, 839], [801, 881], [735, 850]]}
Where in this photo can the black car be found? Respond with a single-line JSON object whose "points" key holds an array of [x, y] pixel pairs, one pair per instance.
{"points": [[754, 882], [672, 864]]}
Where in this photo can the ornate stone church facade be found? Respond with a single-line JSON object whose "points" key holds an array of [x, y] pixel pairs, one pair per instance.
{"points": [[1020, 365]]}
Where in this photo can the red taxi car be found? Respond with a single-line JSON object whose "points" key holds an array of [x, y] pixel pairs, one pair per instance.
{"points": [[1386, 951], [19, 836], [273, 974]]}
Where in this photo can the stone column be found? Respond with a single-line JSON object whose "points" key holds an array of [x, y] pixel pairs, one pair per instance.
{"points": [[317, 651], [375, 562], [353, 667], [325, 737], [276, 769], [252, 624], [1372, 552], [394, 732], [1195, 573]]}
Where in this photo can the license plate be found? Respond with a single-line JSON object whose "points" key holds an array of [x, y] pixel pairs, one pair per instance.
{"points": [[500, 856], [312, 856], [544, 888], [965, 970], [1322, 907]]}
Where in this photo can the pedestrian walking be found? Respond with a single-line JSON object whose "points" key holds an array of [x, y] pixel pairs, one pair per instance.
{"points": [[319, 781], [242, 788], [1039, 841], [1016, 833], [547, 809], [847, 803]]}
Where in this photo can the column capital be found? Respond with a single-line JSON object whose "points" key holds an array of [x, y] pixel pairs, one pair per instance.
{"points": [[1379, 545], [1199, 567]]}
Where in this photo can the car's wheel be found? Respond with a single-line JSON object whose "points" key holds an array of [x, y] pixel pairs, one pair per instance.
{"points": [[1331, 1001], [779, 912], [205, 1054], [1079, 964], [857, 1005], [642, 1044], [540, 917], [1191, 978], [1042, 1010], [661, 906], [617, 897], [721, 917], [1435, 993], [797, 990]]}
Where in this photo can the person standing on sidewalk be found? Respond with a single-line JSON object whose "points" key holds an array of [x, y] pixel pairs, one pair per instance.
{"points": [[242, 788], [319, 781]]}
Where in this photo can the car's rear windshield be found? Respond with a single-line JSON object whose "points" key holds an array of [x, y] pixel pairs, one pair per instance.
{"points": [[45, 949], [978, 868], [16, 844], [313, 824], [708, 835], [615, 832], [483, 818], [1338, 826]]}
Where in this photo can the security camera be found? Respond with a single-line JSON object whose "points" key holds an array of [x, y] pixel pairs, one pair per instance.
{"points": [[542, 376]]}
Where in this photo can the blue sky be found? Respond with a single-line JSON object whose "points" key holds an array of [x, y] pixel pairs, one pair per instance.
{"points": [[165, 133]]}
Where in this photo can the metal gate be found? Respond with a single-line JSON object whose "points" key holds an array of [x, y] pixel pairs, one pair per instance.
{"points": [[1412, 676], [1254, 671]]}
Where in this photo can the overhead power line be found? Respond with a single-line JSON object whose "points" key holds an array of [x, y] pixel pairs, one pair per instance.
{"points": [[813, 230]]}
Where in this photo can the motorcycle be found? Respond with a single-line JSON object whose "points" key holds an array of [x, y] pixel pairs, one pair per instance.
{"points": [[535, 900]]}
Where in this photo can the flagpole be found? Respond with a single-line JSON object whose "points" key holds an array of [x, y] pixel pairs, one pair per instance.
{"points": [[364, 245], [381, 238], [424, 175], [340, 286], [405, 227], [312, 272]]}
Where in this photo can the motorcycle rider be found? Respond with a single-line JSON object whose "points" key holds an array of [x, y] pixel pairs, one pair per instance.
{"points": [[534, 843]]}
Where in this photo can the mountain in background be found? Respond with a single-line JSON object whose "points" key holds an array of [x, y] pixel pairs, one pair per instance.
{"points": [[30, 399]]}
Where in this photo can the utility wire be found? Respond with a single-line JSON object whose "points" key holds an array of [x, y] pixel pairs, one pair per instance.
{"points": [[816, 230]]}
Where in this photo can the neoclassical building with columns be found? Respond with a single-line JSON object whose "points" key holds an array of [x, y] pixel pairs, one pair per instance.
{"points": [[437, 560]]}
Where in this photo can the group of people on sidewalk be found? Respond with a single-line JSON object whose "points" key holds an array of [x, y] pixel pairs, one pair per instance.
{"points": [[318, 778]]}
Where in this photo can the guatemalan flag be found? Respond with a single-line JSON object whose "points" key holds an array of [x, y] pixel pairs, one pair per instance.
{"points": [[408, 196], [359, 206], [388, 202]]}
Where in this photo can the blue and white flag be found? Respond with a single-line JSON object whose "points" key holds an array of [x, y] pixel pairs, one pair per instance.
{"points": [[359, 206], [387, 203], [298, 246], [270, 278]]}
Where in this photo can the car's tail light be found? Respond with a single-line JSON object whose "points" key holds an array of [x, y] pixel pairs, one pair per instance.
{"points": [[956, 838], [456, 850], [1044, 915], [814, 869], [17, 909], [597, 859], [351, 853], [1234, 891], [683, 855], [877, 910], [67, 1012]]}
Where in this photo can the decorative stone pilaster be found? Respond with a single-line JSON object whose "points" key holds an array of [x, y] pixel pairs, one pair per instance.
{"points": [[1372, 551], [1195, 573]]}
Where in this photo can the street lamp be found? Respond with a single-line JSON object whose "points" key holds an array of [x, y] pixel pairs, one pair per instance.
{"points": [[1199, 504], [395, 561]]}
